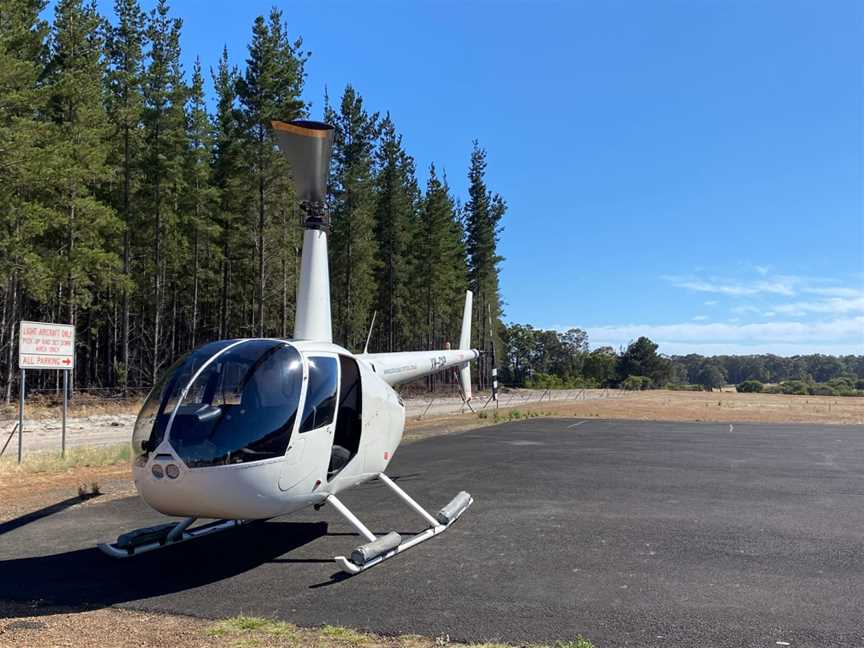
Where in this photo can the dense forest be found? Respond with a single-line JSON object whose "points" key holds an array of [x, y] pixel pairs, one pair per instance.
{"points": [[155, 218], [552, 359]]}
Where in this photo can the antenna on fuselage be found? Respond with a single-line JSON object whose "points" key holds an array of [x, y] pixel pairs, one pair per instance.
{"points": [[369, 337], [306, 145]]}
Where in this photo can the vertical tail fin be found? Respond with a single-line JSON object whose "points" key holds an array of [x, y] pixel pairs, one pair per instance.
{"points": [[465, 344]]}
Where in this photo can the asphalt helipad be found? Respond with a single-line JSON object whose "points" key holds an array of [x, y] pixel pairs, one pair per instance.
{"points": [[629, 533]]}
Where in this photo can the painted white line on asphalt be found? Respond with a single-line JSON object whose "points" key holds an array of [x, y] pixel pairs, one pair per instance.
{"points": [[575, 424]]}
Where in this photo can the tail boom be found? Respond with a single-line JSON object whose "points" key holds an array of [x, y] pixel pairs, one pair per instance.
{"points": [[398, 368]]}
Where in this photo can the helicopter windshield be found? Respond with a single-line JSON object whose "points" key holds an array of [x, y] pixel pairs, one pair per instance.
{"points": [[238, 404], [241, 407]]}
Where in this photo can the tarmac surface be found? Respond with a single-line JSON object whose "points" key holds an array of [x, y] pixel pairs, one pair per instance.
{"points": [[629, 533]]}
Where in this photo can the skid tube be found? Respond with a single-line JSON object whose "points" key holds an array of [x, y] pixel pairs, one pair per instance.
{"points": [[165, 536], [381, 548]]}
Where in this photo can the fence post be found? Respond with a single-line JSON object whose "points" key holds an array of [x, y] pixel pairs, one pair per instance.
{"points": [[427, 407]]}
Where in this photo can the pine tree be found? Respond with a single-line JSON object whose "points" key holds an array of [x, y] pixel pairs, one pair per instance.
{"points": [[270, 89], [200, 200], [230, 182], [439, 273], [483, 214], [23, 269], [165, 133], [397, 198], [352, 203], [81, 225], [125, 51]]}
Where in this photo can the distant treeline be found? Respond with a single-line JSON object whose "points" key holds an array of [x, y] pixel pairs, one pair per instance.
{"points": [[154, 224], [551, 359]]}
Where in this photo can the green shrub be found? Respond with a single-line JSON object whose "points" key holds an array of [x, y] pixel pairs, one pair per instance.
{"points": [[822, 389], [842, 383], [683, 387], [797, 387], [632, 383], [750, 386], [552, 381]]}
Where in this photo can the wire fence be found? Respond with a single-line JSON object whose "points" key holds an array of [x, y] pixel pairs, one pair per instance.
{"points": [[438, 405]]}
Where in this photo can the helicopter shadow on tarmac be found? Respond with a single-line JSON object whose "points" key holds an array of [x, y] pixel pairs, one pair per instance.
{"points": [[85, 578]]}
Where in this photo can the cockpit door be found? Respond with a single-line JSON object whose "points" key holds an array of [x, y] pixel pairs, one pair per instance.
{"points": [[312, 442], [349, 417]]}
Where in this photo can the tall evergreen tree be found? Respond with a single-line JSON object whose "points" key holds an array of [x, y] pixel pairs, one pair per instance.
{"points": [[81, 224], [397, 198], [199, 200], [439, 273], [165, 133], [270, 89], [352, 204], [483, 214], [230, 182], [125, 50], [23, 270]]}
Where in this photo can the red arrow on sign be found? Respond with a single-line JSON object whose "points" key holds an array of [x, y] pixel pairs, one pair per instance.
{"points": [[67, 361]]}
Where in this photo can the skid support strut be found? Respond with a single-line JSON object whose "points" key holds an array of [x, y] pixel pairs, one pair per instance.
{"points": [[379, 549]]}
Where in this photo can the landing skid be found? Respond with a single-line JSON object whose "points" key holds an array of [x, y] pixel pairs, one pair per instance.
{"points": [[165, 535], [379, 549]]}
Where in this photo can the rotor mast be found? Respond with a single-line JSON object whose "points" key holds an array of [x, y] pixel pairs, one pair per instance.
{"points": [[306, 145]]}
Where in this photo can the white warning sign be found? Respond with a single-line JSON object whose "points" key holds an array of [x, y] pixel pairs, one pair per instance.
{"points": [[43, 345]]}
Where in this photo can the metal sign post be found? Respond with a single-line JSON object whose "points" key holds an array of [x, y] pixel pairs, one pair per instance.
{"points": [[45, 345], [65, 407], [21, 412]]}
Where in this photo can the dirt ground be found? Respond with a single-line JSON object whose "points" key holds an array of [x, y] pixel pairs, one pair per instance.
{"points": [[28, 626], [722, 407], [34, 625]]}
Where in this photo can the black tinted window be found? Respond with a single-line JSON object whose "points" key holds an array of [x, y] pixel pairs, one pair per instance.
{"points": [[321, 393], [241, 408]]}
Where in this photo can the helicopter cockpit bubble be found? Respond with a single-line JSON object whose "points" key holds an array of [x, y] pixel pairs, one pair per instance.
{"points": [[239, 404]]}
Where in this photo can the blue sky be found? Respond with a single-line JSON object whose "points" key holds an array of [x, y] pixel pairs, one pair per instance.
{"points": [[691, 171]]}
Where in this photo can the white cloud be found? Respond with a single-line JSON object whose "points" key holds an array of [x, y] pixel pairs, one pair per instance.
{"points": [[699, 318], [836, 291], [762, 270], [741, 310], [834, 305], [711, 302], [779, 285], [845, 335]]}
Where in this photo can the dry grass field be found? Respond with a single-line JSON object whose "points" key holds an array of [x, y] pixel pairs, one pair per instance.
{"points": [[721, 407]]}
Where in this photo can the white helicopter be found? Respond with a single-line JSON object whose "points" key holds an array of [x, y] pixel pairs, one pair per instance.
{"points": [[250, 429]]}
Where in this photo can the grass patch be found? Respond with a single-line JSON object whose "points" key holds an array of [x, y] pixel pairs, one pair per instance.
{"points": [[248, 625], [249, 632], [345, 635], [47, 462]]}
